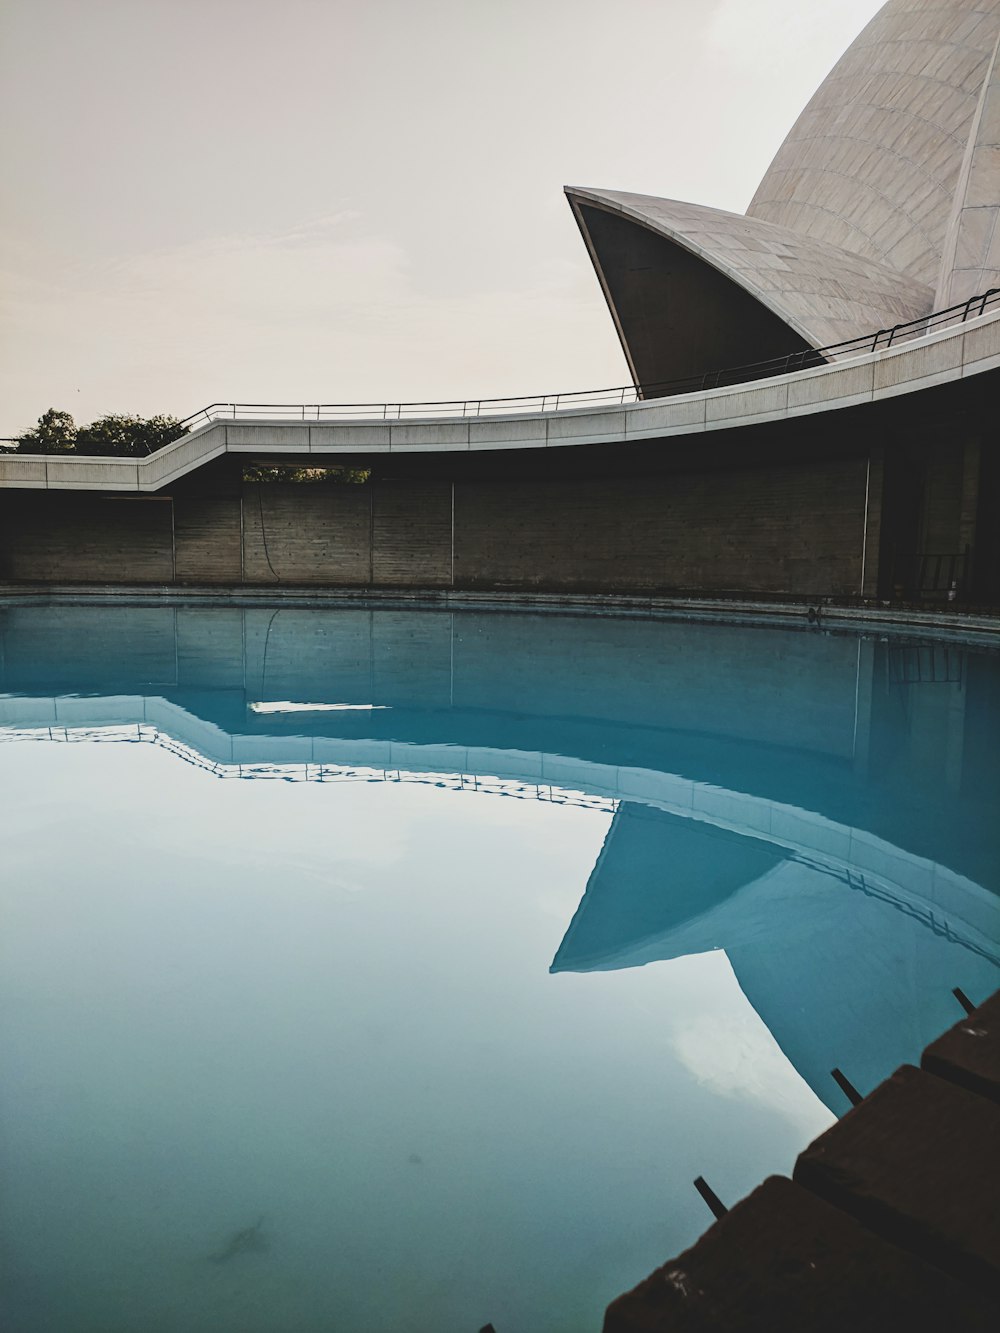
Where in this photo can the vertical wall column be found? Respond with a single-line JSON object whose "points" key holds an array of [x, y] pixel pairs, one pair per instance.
{"points": [[969, 512], [864, 691], [872, 540]]}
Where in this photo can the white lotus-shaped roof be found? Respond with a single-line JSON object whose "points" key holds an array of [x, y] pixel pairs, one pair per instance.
{"points": [[881, 206]]}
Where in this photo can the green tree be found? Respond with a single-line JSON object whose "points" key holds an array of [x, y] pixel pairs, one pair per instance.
{"points": [[55, 434], [127, 435], [350, 476], [124, 435]]}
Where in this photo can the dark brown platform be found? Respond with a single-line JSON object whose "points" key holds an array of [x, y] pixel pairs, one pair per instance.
{"points": [[912, 1163], [969, 1053], [783, 1261], [892, 1221]]}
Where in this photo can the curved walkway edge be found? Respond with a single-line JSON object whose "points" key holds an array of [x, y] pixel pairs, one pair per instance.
{"points": [[947, 356]]}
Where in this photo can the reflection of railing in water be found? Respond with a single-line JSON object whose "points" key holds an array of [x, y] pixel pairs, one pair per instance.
{"points": [[943, 576], [910, 905], [935, 925], [311, 771]]}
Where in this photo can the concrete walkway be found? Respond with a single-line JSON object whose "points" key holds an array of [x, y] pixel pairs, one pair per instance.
{"points": [[949, 355]]}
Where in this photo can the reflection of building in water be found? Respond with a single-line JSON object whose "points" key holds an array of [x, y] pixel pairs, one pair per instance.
{"points": [[821, 807], [845, 968]]}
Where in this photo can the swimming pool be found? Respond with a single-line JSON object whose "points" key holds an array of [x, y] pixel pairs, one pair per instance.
{"points": [[369, 969]]}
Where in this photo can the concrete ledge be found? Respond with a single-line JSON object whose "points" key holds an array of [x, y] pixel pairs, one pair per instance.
{"points": [[844, 385], [932, 361], [349, 436], [21, 471], [104, 474], [587, 425], [982, 344], [429, 435], [274, 436], [487, 434], [952, 354], [674, 416], [764, 403]]}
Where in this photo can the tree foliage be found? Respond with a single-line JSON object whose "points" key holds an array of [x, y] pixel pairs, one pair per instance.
{"points": [[121, 435], [131, 436], [54, 434], [351, 476]]}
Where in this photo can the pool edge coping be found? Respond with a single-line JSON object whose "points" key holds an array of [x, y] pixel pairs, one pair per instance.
{"points": [[797, 612]]}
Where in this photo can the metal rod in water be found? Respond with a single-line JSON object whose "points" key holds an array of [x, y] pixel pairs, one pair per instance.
{"points": [[718, 1208], [846, 1087], [963, 1000]]}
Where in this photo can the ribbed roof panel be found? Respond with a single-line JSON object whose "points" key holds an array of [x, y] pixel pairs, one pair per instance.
{"points": [[873, 163], [825, 294]]}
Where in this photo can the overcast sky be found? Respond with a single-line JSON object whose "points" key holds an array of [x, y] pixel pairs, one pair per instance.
{"points": [[339, 201]]}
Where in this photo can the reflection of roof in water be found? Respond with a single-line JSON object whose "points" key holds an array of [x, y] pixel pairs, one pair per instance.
{"points": [[826, 926], [858, 779], [306, 771], [919, 888], [857, 979]]}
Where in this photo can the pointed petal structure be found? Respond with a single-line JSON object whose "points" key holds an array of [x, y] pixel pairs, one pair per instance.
{"points": [[874, 161], [693, 289], [882, 205]]}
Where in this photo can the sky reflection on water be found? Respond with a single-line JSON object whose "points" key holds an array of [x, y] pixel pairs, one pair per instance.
{"points": [[329, 1004]]}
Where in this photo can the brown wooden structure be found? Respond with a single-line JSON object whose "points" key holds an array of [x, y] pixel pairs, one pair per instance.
{"points": [[891, 1220]]}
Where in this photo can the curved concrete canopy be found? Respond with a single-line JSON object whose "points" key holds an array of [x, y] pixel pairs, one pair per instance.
{"points": [[675, 318], [874, 162]]}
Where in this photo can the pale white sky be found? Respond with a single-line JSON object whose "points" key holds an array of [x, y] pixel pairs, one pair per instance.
{"points": [[338, 201]]}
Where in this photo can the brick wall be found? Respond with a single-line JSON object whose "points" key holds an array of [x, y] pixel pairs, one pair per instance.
{"points": [[778, 528], [787, 529], [63, 537]]}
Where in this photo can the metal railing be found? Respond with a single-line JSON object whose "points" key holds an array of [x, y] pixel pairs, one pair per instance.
{"points": [[944, 576], [617, 396], [925, 664]]}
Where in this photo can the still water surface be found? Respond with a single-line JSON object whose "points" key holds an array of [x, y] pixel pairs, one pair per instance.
{"points": [[367, 971]]}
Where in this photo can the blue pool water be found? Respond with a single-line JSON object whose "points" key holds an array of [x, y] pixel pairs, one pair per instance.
{"points": [[371, 970]]}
